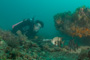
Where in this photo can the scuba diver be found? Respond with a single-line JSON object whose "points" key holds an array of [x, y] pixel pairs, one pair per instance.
{"points": [[28, 27]]}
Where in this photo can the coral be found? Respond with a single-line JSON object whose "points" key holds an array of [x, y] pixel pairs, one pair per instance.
{"points": [[9, 38], [74, 24], [31, 49], [17, 47], [85, 55]]}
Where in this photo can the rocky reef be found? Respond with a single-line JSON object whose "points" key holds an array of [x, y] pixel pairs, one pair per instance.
{"points": [[77, 24], [21, 48], [17, 47], [74, 24]]}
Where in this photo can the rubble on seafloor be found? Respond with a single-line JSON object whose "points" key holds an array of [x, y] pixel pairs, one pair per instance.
{"points": [[25, 49]]}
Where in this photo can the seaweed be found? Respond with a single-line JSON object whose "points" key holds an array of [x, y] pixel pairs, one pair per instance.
{"points": [[73, 45]]}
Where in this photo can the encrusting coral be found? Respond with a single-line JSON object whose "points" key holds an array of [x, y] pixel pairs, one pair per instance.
{"points": [[9, 38], [17, 47], [29, 50], [74, 24]]}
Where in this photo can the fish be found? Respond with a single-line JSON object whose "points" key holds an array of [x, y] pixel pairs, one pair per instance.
{"points": [[57, 41]]}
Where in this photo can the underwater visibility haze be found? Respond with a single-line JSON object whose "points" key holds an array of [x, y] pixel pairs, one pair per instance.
{"points": [[65, 35], [13, 11]]}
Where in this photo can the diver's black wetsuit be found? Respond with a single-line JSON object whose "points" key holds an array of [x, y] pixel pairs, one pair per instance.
{"points": [[26, 27]]}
